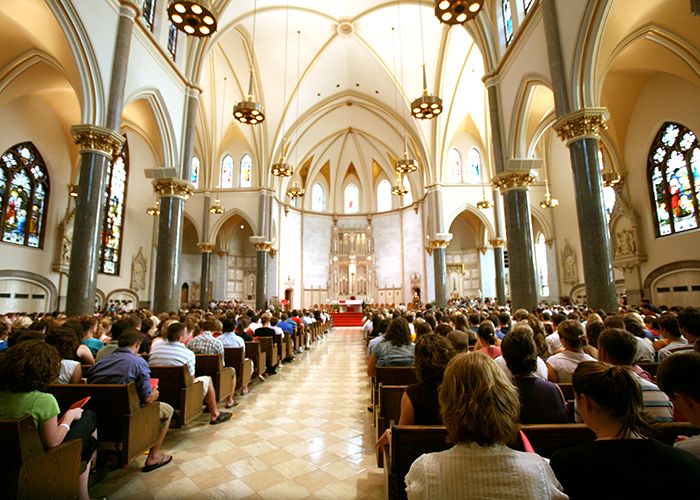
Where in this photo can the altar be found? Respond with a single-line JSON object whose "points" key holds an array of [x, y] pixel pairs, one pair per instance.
{"points": [[348, 305]]}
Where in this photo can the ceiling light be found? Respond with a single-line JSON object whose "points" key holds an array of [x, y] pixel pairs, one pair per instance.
{"points": [[295, 191], [216, 208], [548, 201], [154, 210], [457, 11], [406, 164], [398, 188], [194, 17], [73, 190]]}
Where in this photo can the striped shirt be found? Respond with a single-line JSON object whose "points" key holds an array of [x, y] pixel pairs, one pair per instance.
{"points": [[172, 354], [655, 401]]}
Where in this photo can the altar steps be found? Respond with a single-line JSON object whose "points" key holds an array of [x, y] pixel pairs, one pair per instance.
{"points": [[347, 318]]}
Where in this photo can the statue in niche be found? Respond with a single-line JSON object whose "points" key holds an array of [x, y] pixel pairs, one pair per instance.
{"points": [[570, 264], [65, 246], [251, 285], [138, 271], [625, 243]]}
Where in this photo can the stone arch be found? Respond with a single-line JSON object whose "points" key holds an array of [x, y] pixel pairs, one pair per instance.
{"points": [[216, 228], [51, 300], [156, 103], [489, 230], [523, 139]]}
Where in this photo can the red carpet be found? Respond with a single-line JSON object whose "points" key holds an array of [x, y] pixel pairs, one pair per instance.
{"points": [[347, 319]]}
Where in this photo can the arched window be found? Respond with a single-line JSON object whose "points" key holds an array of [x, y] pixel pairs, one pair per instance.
{"points": [[352, 199], [454, 165], [194, 174], [527, 4], [113, 221], [408, 197], [246, 177], [674, 179], [609, 194], [24, 195], [318, 198], [542, 268], [507, 21], [384, 196], [172, 40], [227, 172], [148, 8], [474, 169]]}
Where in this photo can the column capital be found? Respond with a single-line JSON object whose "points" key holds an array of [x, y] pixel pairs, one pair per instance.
{"points": [[498, 243], [206, 247], [95, 139], [130, 8], [582, 124], [440, 240], [514, 179], [173, 187], [261, 244]]}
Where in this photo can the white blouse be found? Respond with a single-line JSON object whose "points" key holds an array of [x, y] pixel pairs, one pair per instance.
{"points": [[565, 363], [67, 368], [483, 472]]}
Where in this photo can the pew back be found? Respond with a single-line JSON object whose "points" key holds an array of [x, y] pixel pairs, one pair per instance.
{"points": [[177, 388]]}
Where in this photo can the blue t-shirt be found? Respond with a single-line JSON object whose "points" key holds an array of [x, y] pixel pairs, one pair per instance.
{"points": [[390, 355], [93, 344]]}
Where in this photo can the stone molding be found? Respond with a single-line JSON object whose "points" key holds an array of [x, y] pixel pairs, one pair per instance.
{"points": [[583, 124], [206, 247], [514, 179], [93, 139], [173, 187], [498, 243]]}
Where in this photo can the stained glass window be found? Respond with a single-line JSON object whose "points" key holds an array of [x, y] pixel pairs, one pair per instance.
{"points": [[194, 174], [246, 179], [113, 222], [507, 21], [454, 165], [352, 199], [172, 40], [542, 267], [474, 170], [148, 7], [318, 198], [24, 194], [527, 4], [408, 197], [227, 172], [609, 194], [674, 179], [384, 196]]}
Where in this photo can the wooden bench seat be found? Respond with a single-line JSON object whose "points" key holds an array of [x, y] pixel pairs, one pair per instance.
{"points": [[122, 422], [28, 471], [235, 358], [387, 410], [391, 375], [267, 344], [224, 377], [254, 351], [178, 388]]}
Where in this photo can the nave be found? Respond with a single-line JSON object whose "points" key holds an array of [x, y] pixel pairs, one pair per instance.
{"points": [[303, 433]]}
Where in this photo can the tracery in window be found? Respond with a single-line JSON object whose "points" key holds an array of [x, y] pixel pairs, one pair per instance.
{"points": [[172, 40], [527, 4], [246, 177], [148, 8], [474, 169], [318, 198], [384, 196], [226, 172], [507, 21], [454, 165], [674, 179], [408, 197], [24, 193], [113, 222], [352, 199], [194, 174]]}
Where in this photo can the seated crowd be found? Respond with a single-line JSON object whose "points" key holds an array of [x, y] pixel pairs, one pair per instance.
{"points": [[484, 374], [38, 351]]}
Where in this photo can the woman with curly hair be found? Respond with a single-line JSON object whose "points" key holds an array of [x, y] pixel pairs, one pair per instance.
{"points": [[395, 350], [26, 370], [480, 409], [65, 342]]}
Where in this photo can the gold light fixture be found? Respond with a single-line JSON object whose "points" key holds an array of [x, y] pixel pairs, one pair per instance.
{"points": [[485, 203], [282, 168], [249, 111], [406, 164], [457, 11], [611, 179], [548, 201], [295, 191], [73, 190], [216, 208], [154, 210], [427, 106], [399, 189], [193, 17]]}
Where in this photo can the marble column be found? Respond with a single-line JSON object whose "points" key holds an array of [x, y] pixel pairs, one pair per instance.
{"points": [[173, 194], [437, 245], [498, 247], [97, 147], [263, 248], [514, 186], [580, 132], [206, 248]]}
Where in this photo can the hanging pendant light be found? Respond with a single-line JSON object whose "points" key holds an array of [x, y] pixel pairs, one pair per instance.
{"points": [[485, 203], [548, 201], [216, 208], [398, 188], [282, 168], [427, 106], [295, 191], [405, 165], [154, 210], [193, 17], [249, 111], [457, 11]]}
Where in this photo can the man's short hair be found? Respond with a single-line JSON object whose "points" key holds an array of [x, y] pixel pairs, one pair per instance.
{"points": [[120, 327], [208, 325], [680, 373], [619, 346], [558, 318], [669, 323], [175, 331], [130, 337], [689, 320], [266, 317], [228, 325]]}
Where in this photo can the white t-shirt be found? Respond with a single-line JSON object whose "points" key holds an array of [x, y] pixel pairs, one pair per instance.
{"points": [[645, 351], [553, 342], [668, 350], [541, 370], [67, 369], [565, 363]]}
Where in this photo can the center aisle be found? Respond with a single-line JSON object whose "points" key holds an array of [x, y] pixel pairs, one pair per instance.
{"points": [[303, 433]]}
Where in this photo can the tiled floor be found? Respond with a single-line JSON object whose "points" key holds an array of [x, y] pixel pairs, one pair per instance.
{"points": [[304, 433]]}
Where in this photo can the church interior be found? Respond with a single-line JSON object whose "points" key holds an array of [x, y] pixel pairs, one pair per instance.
{"points": [[332, 154]]}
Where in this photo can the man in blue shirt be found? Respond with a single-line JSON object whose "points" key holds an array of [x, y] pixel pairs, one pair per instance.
{"points": [[124, 366]]}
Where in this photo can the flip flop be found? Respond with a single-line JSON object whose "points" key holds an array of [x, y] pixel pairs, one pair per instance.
{"points": [[235, 403], [164, 460], [223, 417]]}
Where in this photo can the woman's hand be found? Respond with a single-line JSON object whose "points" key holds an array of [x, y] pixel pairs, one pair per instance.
{"points": [[72, 415], [383, 440]]}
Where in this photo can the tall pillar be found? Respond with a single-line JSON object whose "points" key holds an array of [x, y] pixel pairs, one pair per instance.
{"points": [[498, 245], [437, 245], [206, 248], [173, 194], [514, 186], [98, 147], [263, 248], [580, 130]]}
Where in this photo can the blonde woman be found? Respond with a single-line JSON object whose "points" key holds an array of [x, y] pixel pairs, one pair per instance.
{"points": [[480, 409]]}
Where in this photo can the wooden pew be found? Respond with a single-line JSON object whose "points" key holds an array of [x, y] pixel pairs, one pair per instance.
{"points": [[235, 357], [178, 388], [392, 375], [649, 367], [122, 422], [267, 344], [224, 378], [28, 471], [387, 410], [254, 351]]}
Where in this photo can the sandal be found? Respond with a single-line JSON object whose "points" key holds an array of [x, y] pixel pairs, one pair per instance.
{"points": [[164, 460], [231, 405], [223, 417]]}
